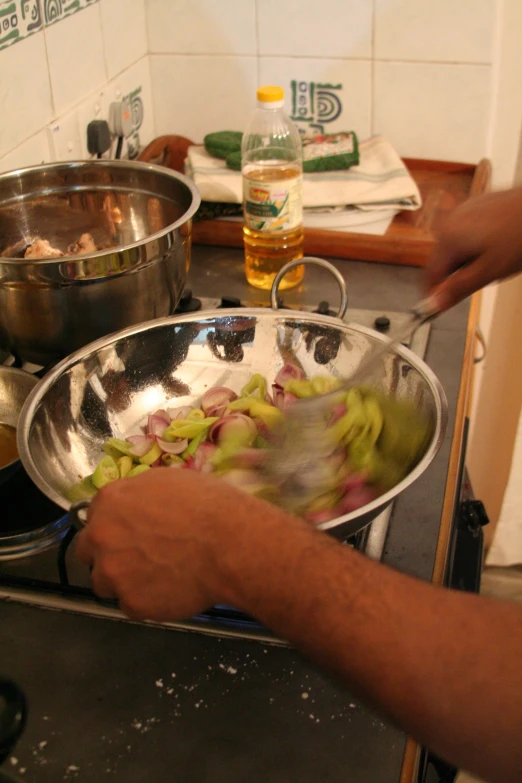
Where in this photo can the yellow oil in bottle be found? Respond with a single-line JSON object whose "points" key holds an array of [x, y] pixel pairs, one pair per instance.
{"points": [[267, 251]]}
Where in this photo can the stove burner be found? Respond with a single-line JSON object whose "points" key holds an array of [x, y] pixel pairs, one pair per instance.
{"points": [[188, 303]]}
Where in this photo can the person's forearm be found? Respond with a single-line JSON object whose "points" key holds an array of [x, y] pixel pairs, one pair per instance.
{"points": [[401, 643]]}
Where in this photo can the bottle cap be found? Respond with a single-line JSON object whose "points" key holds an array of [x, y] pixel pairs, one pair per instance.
{"points": [[272, 95]]}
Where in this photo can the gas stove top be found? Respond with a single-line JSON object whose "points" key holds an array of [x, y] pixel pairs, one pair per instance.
{"points": [[38, 565]]}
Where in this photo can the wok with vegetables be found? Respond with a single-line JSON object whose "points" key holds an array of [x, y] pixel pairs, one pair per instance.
{"points": [[372, 443], [160, 396]]}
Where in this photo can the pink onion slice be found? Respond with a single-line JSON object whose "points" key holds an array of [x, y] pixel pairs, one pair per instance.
{"points": [[216, 397], [164, 415], [156, 426], [202, 457], [338, 411], [236, 422], [288, 372], [177, 447], [179, 413], [140, 445], [356, 498]]}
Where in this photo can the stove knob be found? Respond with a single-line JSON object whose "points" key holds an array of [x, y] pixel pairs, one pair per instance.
{"points": [[187, 303], [230, 301], [382, 323], [324, 308]]}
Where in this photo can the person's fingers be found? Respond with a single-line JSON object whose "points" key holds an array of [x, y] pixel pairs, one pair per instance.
{"points": [[101, 584], [464, 282], [440, 264], [85, 547]]}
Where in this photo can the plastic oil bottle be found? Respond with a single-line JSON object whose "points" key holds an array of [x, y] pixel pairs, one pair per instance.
{"points": [[271, 165]]}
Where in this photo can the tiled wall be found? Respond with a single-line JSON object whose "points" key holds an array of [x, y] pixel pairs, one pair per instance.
{"points": [[418, 71], [61, 63]]}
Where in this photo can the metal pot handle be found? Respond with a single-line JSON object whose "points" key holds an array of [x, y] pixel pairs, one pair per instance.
{"points": [[79, 521], [13, 715], [316, 262]]}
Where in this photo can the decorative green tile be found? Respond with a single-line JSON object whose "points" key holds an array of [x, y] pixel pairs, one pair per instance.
{"points": [[315, 104], [56, 10], [21, 18]]}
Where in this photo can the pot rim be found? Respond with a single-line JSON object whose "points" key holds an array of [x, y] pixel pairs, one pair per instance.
{"points": [[441, 406], [130, 164]]}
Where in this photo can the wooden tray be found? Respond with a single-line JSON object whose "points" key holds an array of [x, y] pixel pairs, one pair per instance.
{"points": [[409, 239]]}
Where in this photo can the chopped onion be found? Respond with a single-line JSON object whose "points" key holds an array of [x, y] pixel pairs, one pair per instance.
{"points": [[235, 423], [156, 426], [140, 445], [202, 457], [217, 397], [338, 411], [356, 498], [179, 413], [164, 415], [177, 447], [288, 372]]}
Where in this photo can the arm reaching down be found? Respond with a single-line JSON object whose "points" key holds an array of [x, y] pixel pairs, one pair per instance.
{"points": [[481, 242], [444, 666]]}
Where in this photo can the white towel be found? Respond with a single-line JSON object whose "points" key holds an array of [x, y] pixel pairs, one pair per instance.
{"points": [[380, 181]]}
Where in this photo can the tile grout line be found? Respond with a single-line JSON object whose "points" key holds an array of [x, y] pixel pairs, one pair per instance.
{"points": [[320, 57], [104, 49]]}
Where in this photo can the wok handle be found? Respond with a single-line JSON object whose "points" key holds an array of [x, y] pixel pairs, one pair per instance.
{"points": [[79, 521], [316, 262]]}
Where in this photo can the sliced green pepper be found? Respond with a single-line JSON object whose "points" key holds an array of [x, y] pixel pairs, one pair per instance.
{"points": [[151, 456], [105, 472]]}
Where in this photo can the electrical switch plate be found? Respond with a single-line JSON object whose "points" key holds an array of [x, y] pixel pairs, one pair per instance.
{"points": [[64, 138]]}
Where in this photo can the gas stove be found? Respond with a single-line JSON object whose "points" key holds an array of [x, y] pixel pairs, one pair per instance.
{"points": [[38, 564]]}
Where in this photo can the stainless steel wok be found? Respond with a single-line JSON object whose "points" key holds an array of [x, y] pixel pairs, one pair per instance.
{"points": [[108, 388], [139, 215]]}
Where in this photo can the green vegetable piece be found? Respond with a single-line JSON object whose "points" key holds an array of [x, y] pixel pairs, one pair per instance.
{"points": [[105, 472], [151, 456], [189, 429], [172, 459], [122, 446], [193, 445], [125, 465], [322, 385], [256, 384], [82, 490], [301, 389], [258, 409], [196, 414], [324, 502], [137, 470]]}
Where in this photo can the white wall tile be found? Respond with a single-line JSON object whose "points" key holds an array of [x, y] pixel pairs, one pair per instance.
{"points": [[32, 152], [435, 111], [124, 29], [64, 138], [342, 28], [352, 102], [76, 57], [197, 95], [440, 30], [201, 26], [25, 93]]}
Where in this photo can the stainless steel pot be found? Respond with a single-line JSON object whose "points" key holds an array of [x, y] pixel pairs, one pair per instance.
{"points": [[109, 387], [140, 214]]}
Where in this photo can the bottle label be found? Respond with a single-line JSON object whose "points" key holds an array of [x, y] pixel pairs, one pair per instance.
{"points": [[272, 206]]}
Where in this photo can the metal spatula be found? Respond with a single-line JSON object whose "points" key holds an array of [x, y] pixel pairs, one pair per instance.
{"points": [[298, 462]]}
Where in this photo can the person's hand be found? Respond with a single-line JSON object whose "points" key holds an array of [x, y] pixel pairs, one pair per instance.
{"points": [[481, 242], [161, 542]]}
